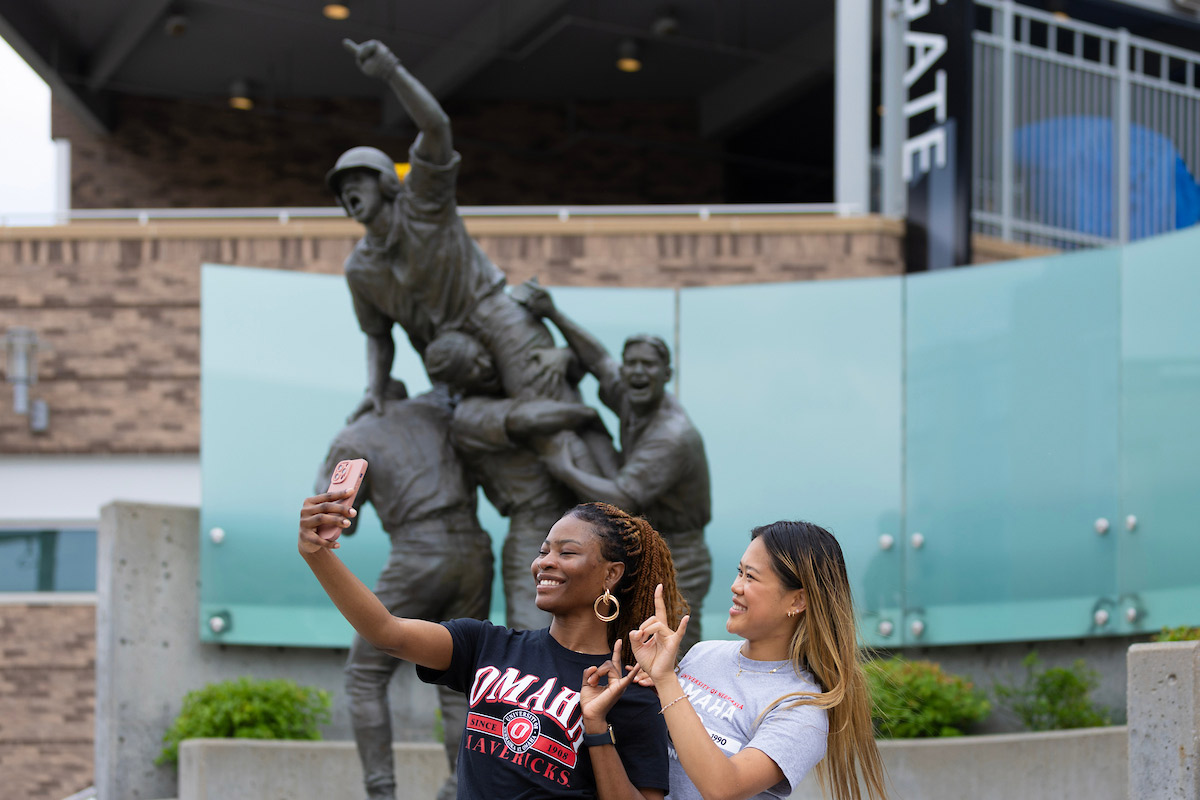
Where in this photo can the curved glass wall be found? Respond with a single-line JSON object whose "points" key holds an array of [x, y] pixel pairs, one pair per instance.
{"points": [[1006, 452]]}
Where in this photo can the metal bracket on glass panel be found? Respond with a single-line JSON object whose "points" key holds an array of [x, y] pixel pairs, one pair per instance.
{"points": [[916, 622], [1102, 613], [1131, 608]]}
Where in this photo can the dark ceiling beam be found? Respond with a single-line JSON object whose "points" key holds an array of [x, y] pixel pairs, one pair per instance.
{"points": [[56, 59], [126, 33], [475, 45], [760, 88]]}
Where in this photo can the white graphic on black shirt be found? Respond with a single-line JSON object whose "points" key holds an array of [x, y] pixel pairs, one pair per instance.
{"points": [[545, 721]]}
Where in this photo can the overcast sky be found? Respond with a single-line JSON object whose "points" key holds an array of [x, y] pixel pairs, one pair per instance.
{"points": [[26, 151]]}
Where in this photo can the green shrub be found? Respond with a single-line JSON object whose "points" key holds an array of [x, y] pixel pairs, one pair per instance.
{"points": [[916, 698], [247, 709], [1183, 633], [1056, 698]]}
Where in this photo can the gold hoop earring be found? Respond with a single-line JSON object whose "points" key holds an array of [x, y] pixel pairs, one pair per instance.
{"points": [[610, 600]]}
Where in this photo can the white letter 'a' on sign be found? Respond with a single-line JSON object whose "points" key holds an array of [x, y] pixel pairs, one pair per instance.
{"points": [[927, 49]]}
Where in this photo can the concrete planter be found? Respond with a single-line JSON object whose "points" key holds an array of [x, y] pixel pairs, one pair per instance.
{"points": [[1088, 762], [255, 769], [1091, 763]]}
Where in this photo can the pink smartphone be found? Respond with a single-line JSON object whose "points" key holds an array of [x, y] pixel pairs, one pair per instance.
{"points": [[346, 475]]}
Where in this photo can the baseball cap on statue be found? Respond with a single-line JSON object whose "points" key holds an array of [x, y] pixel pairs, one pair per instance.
{"points": [[371, 158]]}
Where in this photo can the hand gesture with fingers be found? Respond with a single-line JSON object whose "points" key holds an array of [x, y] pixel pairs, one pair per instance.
{"points": [[549, 366], [533, 296], [373, 57], [556, 455], [372, 401], [320, 511], [655, 644], [596, 699]]}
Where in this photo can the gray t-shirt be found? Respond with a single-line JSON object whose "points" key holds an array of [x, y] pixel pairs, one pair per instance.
{"points": [[729, 705]]}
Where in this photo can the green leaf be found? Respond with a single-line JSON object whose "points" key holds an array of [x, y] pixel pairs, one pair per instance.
{"points": [[1183, 633]]}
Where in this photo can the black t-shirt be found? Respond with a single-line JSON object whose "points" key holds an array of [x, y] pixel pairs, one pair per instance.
{"points": [[524, 729]]}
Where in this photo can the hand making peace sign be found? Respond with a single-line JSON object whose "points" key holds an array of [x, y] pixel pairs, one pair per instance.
{"points": [[656, 644]]}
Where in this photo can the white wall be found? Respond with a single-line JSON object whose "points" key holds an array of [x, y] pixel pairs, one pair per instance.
{"points": [[27, 155], [70, 490]]}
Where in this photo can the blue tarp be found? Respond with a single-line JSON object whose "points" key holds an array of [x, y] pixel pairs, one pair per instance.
{"points": [[1065, 166]]}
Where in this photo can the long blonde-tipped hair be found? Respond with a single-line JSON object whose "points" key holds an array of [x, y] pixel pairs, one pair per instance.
{"points": [[825, 642]]}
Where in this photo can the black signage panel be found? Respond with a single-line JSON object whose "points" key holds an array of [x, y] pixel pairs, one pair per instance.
{"points": [[936, 155]]}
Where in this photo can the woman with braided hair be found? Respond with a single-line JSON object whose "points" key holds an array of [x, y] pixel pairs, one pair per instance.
{"points": [[749, 718], [647, 558], [551, 712]]}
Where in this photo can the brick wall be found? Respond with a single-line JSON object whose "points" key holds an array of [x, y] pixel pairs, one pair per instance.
{"points": [[123, 330], [47, 699], [118, 304], [178, 153]]}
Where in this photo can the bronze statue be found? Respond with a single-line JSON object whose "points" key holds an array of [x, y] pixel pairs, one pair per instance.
{"points": [[497, 436], [440, 565], [664, 471], [418, 267], [519, 422]]}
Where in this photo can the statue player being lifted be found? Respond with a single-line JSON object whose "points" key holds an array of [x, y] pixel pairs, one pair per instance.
{"points": [[417, 265]]}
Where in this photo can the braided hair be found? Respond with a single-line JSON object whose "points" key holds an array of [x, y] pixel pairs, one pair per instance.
{"points": [[647, 559]]}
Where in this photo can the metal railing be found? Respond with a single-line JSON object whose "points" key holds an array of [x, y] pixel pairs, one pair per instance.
{"points": [[145, 216], [1083, 135]]}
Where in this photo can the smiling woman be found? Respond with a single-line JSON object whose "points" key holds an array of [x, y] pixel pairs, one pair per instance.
{"points": [[638, 557], [750, 718], [549, 712]]}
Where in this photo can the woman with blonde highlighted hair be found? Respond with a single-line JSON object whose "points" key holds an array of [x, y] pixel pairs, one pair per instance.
{"points": [[750, 718]]}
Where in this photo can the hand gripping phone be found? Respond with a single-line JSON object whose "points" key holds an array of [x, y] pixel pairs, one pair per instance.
{"points": [[346, 475]]}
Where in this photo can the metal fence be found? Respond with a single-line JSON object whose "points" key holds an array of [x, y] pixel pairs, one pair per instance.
{"points": [[1083, 135]]}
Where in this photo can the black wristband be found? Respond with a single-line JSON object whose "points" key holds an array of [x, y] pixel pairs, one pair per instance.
{"points": [[598, 739]]}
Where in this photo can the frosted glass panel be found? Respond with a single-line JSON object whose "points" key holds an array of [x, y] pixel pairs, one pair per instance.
{"points": [[796, 389], [1160, 422], [1002, 450], [1011, 448]]}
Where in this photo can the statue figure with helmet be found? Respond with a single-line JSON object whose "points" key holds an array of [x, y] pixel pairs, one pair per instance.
{"points": [[418, 267]]}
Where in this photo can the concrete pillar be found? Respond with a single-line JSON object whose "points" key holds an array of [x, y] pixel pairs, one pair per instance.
{"points": [[1164, 721], [893, 196], [145, 600], [149, 653], [852, 105]]}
